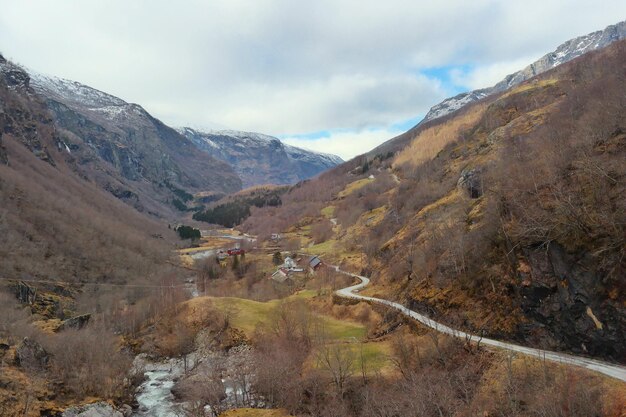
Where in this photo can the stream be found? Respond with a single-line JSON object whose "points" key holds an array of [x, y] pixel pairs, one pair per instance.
{"points": [[154, 396]]}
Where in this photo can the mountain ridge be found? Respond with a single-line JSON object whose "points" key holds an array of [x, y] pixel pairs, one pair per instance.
{"points": [[123, 148], [259, 158], [452, 105], [565, 52]]}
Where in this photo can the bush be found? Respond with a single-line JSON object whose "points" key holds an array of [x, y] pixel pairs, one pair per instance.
{"points": [[89, 362], [277, 258]]}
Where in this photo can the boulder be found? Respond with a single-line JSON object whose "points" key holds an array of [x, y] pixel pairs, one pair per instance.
{"points": [[77, 322], [126, 410], [93, 410], [30, 354], [471, 182]]}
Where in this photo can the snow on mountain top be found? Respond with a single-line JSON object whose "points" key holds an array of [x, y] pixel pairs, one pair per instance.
{"points": [[243, 137], [72, 91], [565, 52], [293, 150]]}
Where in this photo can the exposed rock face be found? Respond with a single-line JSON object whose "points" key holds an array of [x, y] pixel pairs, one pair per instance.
{"points": [[562, 294], [261, 159], [471, 182], [3, 153], [23, 116], [77, 322], [564, 53], [97, 126], [25, 293], [117, 145], [93, 410], [30, 354]]}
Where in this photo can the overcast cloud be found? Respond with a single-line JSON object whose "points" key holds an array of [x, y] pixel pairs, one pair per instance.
{"points": [[353, 70]]}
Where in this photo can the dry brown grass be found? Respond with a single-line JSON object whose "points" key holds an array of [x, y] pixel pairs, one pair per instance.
{"points": [[432, 140]]}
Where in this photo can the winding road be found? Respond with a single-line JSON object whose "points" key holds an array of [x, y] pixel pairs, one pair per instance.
{"points": [[615, 371]]}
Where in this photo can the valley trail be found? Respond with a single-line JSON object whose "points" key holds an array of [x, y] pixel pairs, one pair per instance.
{"points": [[612, 370]]}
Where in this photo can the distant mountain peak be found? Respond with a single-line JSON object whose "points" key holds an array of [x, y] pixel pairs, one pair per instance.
{"points": [[260, 158], [565, 52]]}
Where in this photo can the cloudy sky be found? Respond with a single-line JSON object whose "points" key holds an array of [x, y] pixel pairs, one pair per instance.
{"points": [[337, 76]]}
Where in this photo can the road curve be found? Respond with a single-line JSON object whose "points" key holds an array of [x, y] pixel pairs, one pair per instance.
{"points": [[615, 371]]}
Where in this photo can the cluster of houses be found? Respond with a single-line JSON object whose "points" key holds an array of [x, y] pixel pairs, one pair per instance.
{"points": [[290, 267], [222, 255]]}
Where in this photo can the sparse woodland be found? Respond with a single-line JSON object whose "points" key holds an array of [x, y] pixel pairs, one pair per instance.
{"points": [[507, 217]]}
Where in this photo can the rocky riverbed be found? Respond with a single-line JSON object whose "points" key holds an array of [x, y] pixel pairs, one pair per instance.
{"points": [[154, 395]]}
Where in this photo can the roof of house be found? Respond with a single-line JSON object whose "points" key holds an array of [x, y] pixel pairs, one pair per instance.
{"points": [[281, 275], [290, 263], [315, 261]]}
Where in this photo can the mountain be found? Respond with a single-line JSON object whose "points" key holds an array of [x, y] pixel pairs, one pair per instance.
{"points": [[261, 159], [506, 218], [563, 53], [56, 224], [123, 148]]}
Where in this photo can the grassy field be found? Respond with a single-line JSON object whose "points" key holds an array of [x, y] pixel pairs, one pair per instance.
{"points": [[324, 248], [209, 243], [248, 314], [328, 212], [354, 186]]}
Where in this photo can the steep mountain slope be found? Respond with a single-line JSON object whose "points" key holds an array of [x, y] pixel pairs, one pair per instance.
{"points": [[55, 224], [70, 253], [565, 52], [261, 159], [506, 217], [124, 149]]}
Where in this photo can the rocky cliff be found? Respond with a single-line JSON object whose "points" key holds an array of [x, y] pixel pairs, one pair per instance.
{"points": [[117, 144]]}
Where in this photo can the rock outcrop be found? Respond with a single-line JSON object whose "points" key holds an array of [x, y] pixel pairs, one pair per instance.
{"points": [[561, 293], [471, 182], [77, 322], [93, 410], [30, 354]]}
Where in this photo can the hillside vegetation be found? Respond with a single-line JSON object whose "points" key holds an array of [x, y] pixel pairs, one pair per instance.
{"points": [[72, 256], [232, 211], [506, 217]]}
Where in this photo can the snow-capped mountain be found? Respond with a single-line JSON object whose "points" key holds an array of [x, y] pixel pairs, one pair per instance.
{"points": [[564, 53], [256, 158], [259, 158], [123, 148]]}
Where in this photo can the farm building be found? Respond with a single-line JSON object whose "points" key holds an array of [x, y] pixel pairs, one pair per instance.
{"points": [[282, 275], [314, 263]]}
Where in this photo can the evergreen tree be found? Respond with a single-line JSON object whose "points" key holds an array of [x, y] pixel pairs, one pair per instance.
{"points": [[278, 258]]}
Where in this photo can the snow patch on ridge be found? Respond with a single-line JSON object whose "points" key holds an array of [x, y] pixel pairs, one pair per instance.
{"points": [[565, 52]]}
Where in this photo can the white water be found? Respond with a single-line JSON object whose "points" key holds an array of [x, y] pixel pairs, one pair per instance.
{"points": [[154, 395]]}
